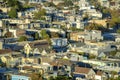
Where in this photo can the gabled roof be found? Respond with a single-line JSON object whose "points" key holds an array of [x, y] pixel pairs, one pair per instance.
{"points": [[82, 70], [5, 51]]}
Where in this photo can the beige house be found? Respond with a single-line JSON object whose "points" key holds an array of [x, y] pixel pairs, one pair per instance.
{"points": [[87, 72]]}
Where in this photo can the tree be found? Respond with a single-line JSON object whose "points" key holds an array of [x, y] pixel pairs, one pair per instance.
{"points": [[36, 36], [13, 13], [40, 14], [112, 53], [118, 31], [59, 78], [49, 4], [22, 38], [68, 3], [44, 34], [93, 26], [36, 76], [8, 34], [91, 56], [14, 4], [54, 35]]}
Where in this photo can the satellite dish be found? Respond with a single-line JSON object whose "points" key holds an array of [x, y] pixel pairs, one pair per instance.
{"points": [[3, 59]]}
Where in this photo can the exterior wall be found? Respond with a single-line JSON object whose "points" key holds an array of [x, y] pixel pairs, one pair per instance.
{"points": [[14, 32], [91, 74], [5, 9], [97, 77], [19, 77], [35, 1], [1, 45], [104, 3], [86, 35], [18, 21], [59, 42], [1, 23]]}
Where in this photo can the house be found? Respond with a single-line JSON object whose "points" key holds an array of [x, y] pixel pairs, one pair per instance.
{"points": [[59, 44], [95, 48], [42, 45], [62, 65], [82, 72], [94, 35]]}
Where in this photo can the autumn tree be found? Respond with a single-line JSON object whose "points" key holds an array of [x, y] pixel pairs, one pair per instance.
{"points": [[93, 26], [36, 76], [8, 34]]}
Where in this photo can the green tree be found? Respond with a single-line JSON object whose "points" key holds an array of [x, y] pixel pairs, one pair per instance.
{"points": [[36, 36], [91, 56], [14, 4], [118, 31], [22, 38], [112, 53], [68, 3], [40, 14], [44, 34], [59, 78], [13, 13]]}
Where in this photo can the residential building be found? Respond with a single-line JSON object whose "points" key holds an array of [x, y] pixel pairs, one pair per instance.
{"points": [[84, 73], [94, 35]]}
